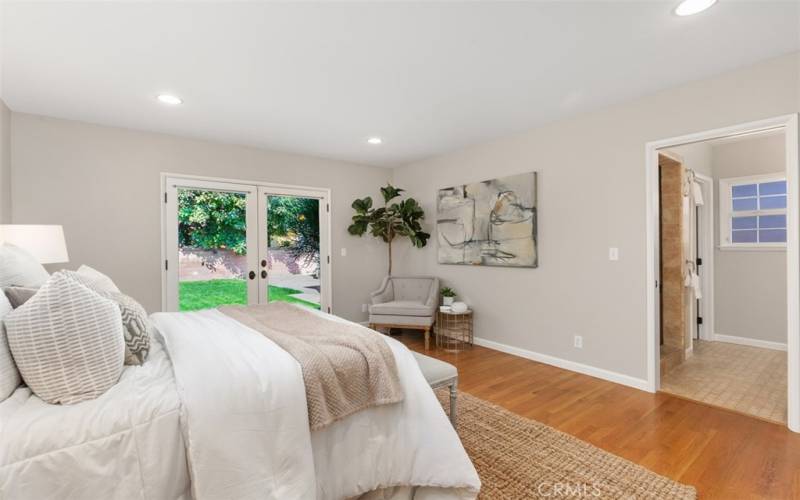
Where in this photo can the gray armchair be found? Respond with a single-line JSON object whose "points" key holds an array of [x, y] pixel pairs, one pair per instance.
{"points": [[405, 302]]}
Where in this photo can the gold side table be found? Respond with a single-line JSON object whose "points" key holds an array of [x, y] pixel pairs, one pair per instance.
{"points": [[454, 330]]}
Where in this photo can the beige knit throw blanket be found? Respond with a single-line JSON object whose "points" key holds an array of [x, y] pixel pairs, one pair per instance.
{"points": [[346, 367]]}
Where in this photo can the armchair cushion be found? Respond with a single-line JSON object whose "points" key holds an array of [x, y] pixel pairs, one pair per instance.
{"points": [[422, 289], [400, 321], [415, 289], [383, 294], [402, 308]]}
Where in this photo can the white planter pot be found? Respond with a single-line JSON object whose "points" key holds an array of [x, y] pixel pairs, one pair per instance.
{"points": [[448, 301]]}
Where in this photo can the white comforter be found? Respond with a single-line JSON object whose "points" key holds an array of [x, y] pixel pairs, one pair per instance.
{"points": [[125, 444], [244, 426]]}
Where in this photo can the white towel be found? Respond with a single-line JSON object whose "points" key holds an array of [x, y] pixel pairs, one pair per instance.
{"points": [[697, 193], [693, 281]]}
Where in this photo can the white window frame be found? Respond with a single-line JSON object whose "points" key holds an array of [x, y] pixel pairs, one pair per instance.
{"points": [[726, 211]]}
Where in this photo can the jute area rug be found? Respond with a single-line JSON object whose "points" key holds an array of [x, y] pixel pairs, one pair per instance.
{"points": [[519, 458]]}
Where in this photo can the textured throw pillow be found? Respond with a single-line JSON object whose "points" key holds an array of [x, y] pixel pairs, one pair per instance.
{"points": [[9, 375], [67, 341], [96, 280], [19, 268], [134, 319], [18, 295]]}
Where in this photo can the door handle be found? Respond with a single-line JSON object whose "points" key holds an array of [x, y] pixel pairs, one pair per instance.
{"points": [[252, 275], [264, 274], [264, 263]]}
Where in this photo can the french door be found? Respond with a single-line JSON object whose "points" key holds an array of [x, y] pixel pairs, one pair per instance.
{"points": [[235, 243], [293, 241]]}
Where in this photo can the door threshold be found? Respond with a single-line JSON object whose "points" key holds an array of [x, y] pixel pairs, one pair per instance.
{"points": [[724, 408]]}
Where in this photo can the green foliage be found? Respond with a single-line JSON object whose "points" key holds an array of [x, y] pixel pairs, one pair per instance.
{"points": [[196, 295], [217, 220], [393, 219], [390, 192], [212, 220], [448, 292], [290, 216]]}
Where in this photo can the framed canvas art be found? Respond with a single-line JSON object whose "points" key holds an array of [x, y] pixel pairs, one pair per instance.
{"points": [[489, 223]]}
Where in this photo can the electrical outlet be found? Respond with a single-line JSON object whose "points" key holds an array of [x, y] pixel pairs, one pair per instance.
{"points": [[578, 342], [363, 308], [613, 253], [344, 252]]}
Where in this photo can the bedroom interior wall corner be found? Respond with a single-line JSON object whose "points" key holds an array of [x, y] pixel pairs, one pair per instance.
{"points": [[591, 197], [5, 163]]}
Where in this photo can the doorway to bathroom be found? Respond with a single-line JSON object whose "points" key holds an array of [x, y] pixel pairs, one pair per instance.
{"points": [[724, 248]]}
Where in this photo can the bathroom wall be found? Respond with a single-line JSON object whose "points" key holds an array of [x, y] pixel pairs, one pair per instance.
{"points": [[749, 285]]}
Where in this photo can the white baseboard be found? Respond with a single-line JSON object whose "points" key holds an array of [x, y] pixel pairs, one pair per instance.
{"points": [[766, 344], [592, 371]]}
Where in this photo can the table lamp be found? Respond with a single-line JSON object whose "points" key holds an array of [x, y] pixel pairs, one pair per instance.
{"points": [[45, 242]]}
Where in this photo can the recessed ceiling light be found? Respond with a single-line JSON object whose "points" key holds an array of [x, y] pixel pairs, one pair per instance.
{"points": [[375, 140], [170, 99], [691, 7]]}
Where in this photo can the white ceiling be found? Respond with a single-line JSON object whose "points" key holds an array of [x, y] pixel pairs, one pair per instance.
{"points": [[320, 78]]}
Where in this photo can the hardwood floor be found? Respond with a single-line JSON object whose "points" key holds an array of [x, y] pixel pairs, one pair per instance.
{"points": [[723, 454]]}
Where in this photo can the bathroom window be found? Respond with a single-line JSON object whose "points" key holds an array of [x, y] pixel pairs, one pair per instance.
{"points": [[752, 212]]}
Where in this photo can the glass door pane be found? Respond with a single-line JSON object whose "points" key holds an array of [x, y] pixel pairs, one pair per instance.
{"points": [[211, 252], [291, 256]]}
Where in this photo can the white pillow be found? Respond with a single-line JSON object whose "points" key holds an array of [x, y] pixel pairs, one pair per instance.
{"points": [[96, 280], [134, 320], [67, 341], [9, 375], [19, 268]]}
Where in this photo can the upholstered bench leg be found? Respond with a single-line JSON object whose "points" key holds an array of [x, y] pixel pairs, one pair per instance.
{"points": [[454, 403], [440, 374]]}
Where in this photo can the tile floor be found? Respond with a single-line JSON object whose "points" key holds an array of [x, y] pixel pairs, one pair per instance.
{"points": [[746, 379]]}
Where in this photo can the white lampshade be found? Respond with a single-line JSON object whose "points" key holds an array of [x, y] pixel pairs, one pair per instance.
{"points": [[46, 243]]}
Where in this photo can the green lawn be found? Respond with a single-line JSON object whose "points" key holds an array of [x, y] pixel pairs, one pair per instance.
{"points": [[195, 295]]}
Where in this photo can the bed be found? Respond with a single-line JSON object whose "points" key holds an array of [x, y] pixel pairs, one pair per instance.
{"points": [[219, 412]]}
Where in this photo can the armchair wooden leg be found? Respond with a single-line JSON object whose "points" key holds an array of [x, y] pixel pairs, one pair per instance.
{"points": [[427, 338]]}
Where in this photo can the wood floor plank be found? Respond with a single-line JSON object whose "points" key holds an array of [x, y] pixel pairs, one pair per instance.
{"points": [[723, 454]]}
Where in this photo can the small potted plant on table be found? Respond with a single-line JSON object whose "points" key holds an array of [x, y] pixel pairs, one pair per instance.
{"points": [[448, 296]]}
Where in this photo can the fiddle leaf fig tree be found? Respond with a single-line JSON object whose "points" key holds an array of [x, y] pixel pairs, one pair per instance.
{"points": [[398, 218]]}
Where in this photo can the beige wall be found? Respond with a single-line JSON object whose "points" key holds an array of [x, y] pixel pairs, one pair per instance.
{"points": [[695, 156], [749, 287], [591, 197], [5, 163], [103, 185]]}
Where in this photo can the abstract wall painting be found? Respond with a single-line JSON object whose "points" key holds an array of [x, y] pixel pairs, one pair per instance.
{"points": [[489, 223]]}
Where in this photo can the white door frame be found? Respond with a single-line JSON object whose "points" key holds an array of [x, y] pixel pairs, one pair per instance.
{"points": [[170, 181], [789, 124]]}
